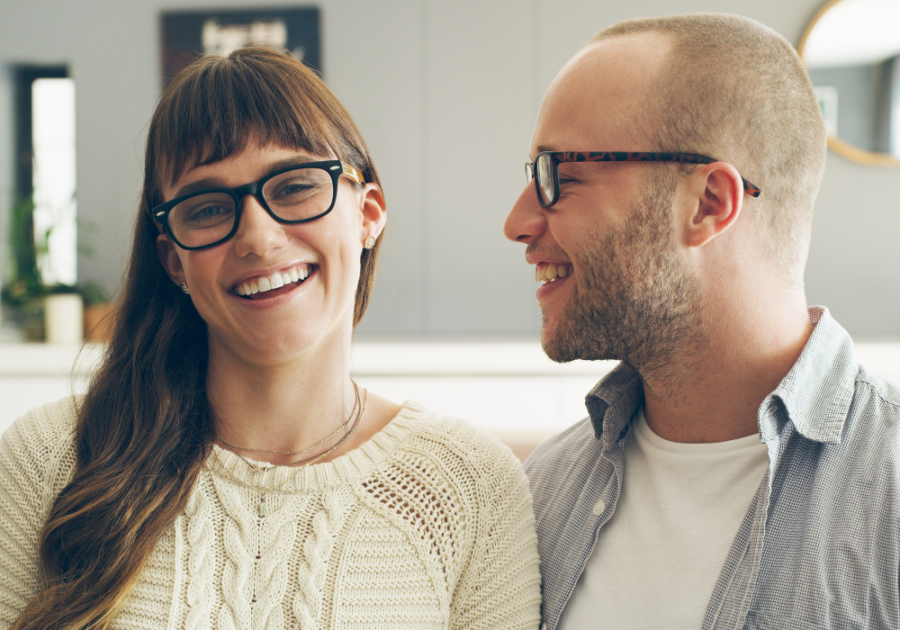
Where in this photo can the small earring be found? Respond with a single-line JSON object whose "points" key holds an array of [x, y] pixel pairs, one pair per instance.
{"points": [[184, 287], [370, 242]]}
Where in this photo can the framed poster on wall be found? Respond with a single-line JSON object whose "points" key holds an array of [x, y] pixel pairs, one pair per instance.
{"points": [[187, 35]]}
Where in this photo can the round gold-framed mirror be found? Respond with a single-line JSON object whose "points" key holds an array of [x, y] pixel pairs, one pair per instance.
{"points": [[851, 49]]}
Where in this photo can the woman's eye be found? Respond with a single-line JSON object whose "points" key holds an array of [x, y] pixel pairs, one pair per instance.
{"points": [[207, 212], [294, 189], [203, 215]]}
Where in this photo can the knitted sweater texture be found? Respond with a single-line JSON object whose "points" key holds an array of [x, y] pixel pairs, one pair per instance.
{"points": [[427, 525]]}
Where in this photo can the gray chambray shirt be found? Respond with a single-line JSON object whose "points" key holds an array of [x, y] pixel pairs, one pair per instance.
{"points": [[819, 546]]}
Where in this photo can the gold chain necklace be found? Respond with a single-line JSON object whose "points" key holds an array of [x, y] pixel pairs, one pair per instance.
{"points": [[262, 509], [311, 446]]}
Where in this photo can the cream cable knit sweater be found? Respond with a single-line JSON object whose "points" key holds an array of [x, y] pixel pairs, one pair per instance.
{"points": [[427, 525]]}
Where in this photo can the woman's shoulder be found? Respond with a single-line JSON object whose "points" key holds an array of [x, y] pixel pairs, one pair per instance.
{"points": [[46, 426], [467, 493], [456, 444], [41, 443]]}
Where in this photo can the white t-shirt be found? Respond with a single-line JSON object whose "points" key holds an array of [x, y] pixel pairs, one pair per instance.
{"points": [[657, 560]]}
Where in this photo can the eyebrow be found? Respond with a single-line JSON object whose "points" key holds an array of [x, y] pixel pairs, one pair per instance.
{"points": [[216, 182], [540, 149]]}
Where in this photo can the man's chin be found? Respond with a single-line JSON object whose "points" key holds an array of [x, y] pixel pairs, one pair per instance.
{"points": [[559, 350], [563, 344]]}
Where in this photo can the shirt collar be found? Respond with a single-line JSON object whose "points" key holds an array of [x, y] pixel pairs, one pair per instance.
{"points": [[612, 403], [818, 390], [816, 393]]}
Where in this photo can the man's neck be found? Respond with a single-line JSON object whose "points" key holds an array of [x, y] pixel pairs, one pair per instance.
{"points": [[714, 393]]}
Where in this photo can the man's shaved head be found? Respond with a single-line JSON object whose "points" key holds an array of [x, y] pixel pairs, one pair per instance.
{"points": [[736, 90]]}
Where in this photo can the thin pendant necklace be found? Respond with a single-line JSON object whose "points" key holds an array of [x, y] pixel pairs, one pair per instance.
{"points": [[311, 446], [262, 508]]}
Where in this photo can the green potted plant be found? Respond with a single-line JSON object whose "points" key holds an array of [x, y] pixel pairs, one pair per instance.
{"points": [[23, 290]]}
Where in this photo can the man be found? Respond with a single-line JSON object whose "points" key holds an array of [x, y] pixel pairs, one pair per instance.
{"points": [[738, 468]]}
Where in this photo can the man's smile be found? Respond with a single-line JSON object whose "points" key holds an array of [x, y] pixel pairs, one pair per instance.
{"points": [[550, 272]]}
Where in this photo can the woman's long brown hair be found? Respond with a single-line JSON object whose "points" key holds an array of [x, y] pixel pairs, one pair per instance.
{"points": [[143, 430]]}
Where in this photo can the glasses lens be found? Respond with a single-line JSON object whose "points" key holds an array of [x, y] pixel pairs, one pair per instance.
{"points": [[202, 219], [543, 168], [303, 193]]}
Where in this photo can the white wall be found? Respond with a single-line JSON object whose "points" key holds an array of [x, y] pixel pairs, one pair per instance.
{"points": [[6, 170], [436, 86]]}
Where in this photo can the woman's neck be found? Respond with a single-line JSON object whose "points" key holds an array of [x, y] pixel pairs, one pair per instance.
{"points": [[283, 405]]}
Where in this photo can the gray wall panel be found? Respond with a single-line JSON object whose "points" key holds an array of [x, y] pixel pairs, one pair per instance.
{"points": [[433, 84], [479, 128], [373, 61]]}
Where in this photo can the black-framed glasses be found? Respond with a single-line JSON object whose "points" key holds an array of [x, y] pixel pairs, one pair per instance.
{"points": [[545, 168], [295, 194]]}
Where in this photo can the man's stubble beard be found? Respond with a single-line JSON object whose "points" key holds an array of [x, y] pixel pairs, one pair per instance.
{"points": [[633, 298]]}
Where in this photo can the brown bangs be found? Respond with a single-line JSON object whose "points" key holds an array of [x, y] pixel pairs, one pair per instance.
{"points": [[255, 94]]}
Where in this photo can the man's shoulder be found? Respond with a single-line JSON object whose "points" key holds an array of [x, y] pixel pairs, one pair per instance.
{"points": [[874, 412], [562, 461], [564, 444], [864, 437], [874, 385]]}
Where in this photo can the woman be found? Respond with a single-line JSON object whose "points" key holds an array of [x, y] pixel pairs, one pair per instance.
{"points": [[223, 471]]}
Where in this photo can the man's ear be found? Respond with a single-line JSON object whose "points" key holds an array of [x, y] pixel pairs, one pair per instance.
{"points": [[373, 212], [168, 257], [716, 194]]}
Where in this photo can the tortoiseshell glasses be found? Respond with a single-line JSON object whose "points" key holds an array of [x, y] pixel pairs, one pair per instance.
{"points": [[545, 168]]}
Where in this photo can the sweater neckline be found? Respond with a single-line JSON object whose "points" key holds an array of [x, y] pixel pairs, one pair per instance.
{"points": [[347, 468]]}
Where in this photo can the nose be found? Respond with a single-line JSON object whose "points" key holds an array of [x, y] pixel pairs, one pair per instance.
{"points": [[258, 233], [526, 221]]}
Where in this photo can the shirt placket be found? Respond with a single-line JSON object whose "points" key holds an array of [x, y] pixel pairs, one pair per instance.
{"points": [[733, 593]]}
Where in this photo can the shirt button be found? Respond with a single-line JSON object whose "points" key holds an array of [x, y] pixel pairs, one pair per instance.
{"points": [[543, 626], [598, 509]]}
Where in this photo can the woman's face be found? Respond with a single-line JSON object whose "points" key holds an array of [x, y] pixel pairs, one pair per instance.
{"points": [[287, 321]]}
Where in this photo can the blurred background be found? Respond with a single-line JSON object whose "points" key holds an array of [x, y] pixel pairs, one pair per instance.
{"points": [[446, 95]]}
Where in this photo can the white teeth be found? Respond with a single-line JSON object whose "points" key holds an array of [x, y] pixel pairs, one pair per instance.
{"points": [[276, 280], [552, 272]]}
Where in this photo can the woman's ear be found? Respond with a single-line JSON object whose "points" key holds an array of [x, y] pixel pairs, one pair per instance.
{"points": [[715, 196], [372, 212], [168, 257]]}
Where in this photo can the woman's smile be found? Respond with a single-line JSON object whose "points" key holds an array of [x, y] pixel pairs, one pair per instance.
{"points": [[274, 284]]}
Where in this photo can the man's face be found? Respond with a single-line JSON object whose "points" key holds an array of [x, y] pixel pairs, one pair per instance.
{"points": [[621, 288], [632, 297]]}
